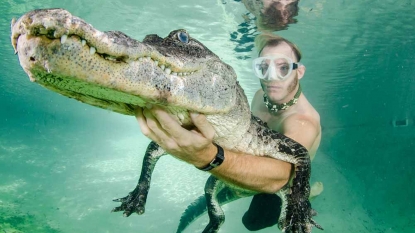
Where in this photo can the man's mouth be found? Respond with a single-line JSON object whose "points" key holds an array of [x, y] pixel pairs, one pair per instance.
{"points": [[273, 87]]}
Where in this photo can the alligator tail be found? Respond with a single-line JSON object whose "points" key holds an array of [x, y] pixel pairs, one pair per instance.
{"points": [[199, 207]]}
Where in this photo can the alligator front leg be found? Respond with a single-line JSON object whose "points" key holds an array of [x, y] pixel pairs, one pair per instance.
{"points": [[296, 216], [136, 200], [298, 212]]}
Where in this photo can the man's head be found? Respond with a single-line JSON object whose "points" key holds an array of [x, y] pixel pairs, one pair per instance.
{"points": [[284, 55]]}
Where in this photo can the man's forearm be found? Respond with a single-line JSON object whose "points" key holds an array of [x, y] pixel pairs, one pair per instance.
{"points": [[262, 174]]}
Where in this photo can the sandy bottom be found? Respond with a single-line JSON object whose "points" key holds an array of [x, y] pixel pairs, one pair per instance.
{"points": [[57, 187]]}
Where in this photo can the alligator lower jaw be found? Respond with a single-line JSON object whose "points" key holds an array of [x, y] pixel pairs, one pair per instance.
{"points": [[105, 98], [87, 86], [46, 63], [88, 93]]}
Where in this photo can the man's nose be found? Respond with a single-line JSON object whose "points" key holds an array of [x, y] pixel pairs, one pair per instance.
{"points": [[273, 76]]}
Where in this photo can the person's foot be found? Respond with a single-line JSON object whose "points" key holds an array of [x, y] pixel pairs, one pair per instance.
{"points": [[316, 190]]}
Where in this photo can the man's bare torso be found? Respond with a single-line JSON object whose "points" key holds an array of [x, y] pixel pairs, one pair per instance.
{"points": [[303, 111]]}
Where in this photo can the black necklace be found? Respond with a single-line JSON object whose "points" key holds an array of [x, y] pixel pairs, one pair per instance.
{"points": [[274, 108]]}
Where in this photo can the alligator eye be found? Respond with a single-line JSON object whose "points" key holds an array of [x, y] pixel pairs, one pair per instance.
{"points": [[183, 37]]}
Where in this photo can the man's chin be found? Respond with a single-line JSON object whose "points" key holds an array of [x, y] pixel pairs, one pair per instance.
{"points": [[274, 91], [275, 96], [271, 89]]}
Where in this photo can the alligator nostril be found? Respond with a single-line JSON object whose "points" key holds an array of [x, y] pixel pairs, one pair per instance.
{"points": [[32, 59]]}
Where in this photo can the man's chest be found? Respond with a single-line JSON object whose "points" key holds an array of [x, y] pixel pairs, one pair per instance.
{"points": [[274, 122]]}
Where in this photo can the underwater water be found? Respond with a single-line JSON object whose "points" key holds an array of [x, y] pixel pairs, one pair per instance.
{"points": [[62, 162]]}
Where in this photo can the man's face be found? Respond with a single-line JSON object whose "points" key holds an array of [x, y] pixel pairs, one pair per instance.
{"points": [[278, 91]]}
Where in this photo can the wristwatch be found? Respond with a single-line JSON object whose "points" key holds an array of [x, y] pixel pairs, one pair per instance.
{"points": [[218, 160]]}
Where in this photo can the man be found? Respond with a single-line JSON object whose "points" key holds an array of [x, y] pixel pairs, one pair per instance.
{"points": [[282, 105], [279, 102]]}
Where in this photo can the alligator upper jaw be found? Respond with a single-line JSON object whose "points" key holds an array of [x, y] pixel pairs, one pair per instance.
{"points": [[58, 23], [112, 71]]}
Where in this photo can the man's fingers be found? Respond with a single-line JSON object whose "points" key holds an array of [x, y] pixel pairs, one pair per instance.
{"points": [[142, 121], [145, 129], [170, 125], [204, 127], [162, 136]]}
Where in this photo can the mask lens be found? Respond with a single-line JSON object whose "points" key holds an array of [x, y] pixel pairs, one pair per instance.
{"points": [[264, 66], [282, 67], [277, 68], [261, 66]]}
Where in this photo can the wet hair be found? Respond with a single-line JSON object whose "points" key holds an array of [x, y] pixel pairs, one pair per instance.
{"points": [[269, 39]]}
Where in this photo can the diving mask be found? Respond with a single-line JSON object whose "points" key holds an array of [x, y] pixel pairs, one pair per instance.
{"points": [[276, 67]]}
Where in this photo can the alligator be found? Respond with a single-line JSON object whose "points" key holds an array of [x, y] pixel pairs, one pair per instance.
{"points": [[112, 71]]}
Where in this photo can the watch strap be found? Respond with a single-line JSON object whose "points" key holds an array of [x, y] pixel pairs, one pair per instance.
{"points": [[218, 160]]}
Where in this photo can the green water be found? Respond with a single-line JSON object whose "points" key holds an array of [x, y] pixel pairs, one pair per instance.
{"points": [[62, 162]]}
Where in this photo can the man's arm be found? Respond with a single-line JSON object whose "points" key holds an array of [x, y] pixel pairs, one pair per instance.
{"points": [[256, 173], [262, 174]]}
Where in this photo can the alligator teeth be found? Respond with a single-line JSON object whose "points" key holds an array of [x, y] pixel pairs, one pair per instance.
{"points": [[174, 73], [43, 31], [63, 39], [162, 67], [13, 22], [167, 71], [156, 62], [92, 50], [140, 59], [83, 42], [32, 78], [180, 74], [110, 58]]}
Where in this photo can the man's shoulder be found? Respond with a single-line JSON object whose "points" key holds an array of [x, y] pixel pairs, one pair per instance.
{"points": [[302, 122], [256, 104], [305, 112], [258, 94]]}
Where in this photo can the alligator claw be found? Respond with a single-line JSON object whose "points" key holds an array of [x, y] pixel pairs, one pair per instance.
{"points": [[316, 224], [303, 227], [122, 199], [116, 209], [133, 203], [299, 218], [126, 214]]}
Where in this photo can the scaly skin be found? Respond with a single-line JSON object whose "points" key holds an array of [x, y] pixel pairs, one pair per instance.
{"points": [[113, 71]]}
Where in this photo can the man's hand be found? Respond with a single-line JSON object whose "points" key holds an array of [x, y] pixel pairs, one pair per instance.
{"points": [[193, 146]]}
